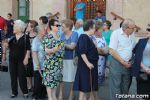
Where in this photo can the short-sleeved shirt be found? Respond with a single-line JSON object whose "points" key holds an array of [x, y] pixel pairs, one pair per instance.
{"points": [[2, 23], [122, 44], [9, 28], [100, 19], [107, 35], [86, 46], [79, 31], [80, 13], [69, 54], [18, 48], [38, 47]]}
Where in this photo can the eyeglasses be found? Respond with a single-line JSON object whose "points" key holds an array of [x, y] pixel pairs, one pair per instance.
{"points": [[131, 28], [57, 25]]}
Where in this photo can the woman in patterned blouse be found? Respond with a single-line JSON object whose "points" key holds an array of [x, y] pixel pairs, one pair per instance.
{"points": [[54, 49]]}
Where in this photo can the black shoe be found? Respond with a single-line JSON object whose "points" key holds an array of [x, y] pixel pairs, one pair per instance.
{"points": [[25, 95], [13, 96]]}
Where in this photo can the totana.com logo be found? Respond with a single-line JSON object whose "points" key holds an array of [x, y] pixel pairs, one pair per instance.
{"points": [[132, 96]]}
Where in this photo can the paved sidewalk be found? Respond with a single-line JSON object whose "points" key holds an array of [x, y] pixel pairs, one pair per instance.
{"points": [[5, 89]]}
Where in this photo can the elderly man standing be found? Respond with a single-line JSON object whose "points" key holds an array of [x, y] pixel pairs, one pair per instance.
{"points": [[121, 46]]}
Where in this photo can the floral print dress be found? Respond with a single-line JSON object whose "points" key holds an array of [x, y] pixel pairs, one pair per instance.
{"points": [[101, 43], [53, 64]]}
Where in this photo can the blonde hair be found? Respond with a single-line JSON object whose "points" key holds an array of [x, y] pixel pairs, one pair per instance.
{"points": [[68, 23]]}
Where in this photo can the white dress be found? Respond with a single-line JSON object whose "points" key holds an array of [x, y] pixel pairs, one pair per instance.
{"points": [[101, 43]]}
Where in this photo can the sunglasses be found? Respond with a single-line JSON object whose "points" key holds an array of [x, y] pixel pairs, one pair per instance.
{"points": [[148, 29], [57, 25]]}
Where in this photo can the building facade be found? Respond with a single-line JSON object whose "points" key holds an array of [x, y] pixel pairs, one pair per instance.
{"points": [[138, 10]]}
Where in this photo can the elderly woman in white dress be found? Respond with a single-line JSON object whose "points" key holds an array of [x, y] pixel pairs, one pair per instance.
{"points": [[101, 45]]}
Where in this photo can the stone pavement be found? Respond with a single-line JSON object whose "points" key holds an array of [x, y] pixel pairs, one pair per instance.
{"points": [[5, 89]]}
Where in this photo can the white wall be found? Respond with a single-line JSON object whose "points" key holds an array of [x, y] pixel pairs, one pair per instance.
{"points": [[41, 7], [115, 6], [138, 10], [5, 7]]}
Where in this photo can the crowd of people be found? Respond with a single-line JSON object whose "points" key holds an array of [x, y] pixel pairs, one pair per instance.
{"points": [[53, 52]]}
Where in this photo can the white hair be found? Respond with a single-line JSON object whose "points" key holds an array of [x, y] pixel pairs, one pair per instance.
{"points": [[49, 14], [80, 21], [20, 24], [127, 22]]}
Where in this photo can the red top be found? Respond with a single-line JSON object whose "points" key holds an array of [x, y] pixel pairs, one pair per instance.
{"points": [[2, 23]]}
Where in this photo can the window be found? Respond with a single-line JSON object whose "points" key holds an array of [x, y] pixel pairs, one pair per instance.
{"points": [[23, 9]]}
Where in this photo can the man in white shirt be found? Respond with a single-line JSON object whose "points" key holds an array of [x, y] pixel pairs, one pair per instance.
{"points": [[121, 46]]}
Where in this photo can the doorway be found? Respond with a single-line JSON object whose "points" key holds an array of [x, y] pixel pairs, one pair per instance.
{"points": [[91, 7]]}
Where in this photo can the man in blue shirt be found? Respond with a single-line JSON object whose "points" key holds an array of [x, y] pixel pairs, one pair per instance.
{"points": [[80, 10], [100, 16]]}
